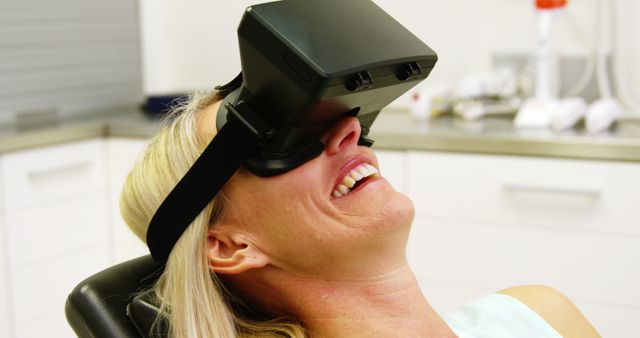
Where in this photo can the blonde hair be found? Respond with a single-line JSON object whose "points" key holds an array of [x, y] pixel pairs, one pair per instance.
{"points": [[191, 297]]}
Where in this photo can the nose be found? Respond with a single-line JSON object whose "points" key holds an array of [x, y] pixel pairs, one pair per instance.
{"points": [[344, 134]]}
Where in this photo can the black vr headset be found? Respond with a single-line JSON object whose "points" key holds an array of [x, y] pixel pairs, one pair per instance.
{"points": [[305, 64]]}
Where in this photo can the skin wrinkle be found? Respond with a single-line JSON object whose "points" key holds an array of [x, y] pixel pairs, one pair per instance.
{"points": [[372, 295], [390, 275], [338, 222], [340, 217]]}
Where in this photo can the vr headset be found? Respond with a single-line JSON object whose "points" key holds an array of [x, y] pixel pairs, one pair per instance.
{"points": [[305, 65]]}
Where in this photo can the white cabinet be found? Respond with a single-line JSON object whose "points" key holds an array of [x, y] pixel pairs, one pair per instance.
{"points": [[121, 155], [484, 223], [57, 229], [59, 223], [5, 300]]}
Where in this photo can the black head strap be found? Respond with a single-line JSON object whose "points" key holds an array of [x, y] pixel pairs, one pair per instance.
{"points": [[240, 137]]}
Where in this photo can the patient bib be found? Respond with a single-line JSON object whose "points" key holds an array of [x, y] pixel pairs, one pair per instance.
{"points": [[498, 316]]}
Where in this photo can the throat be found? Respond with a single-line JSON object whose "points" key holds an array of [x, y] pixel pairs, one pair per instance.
{"points": [[393, 306]]}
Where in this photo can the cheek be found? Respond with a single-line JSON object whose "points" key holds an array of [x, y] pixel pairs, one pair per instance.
{"points": [[277, 206], [282, 213]]}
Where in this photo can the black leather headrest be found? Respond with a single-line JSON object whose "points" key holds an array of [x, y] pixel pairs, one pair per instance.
{"points": [[143, 311], [97, 307]]}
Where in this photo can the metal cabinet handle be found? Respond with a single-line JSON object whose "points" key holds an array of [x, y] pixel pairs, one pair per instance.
{"points": [[58, 173], [591, 191]]}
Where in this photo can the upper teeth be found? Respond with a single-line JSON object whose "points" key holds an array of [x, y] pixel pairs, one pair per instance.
{"points": [[355, 175]]}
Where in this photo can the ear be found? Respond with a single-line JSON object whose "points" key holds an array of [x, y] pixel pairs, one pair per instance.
{"points": [[230, 253]]}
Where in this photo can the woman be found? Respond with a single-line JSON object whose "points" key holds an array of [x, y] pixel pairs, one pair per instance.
{"points": [[318, 251]]}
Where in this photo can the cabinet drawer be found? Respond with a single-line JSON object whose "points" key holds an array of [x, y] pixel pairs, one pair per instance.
{"points": [[57, 228], [40, 290], [574, 194], [585, 265], [37, 176]]}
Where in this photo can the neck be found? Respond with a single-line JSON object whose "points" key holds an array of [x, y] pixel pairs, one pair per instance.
{"points": [[388, 305]]}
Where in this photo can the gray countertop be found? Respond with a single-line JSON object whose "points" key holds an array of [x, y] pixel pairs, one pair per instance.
{"points": [[498, 136], [392, 130]]}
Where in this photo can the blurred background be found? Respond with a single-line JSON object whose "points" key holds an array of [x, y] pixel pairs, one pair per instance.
{"points": [[521, 151]]}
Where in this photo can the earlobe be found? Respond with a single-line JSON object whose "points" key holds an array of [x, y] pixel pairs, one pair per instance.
{"points": [[230, 254]]}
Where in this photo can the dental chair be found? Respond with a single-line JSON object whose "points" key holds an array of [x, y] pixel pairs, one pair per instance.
{"points": [[110, 304]]}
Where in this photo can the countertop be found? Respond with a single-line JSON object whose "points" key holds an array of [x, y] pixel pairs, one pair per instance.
{"points": [[498, 135], [393, 130]]}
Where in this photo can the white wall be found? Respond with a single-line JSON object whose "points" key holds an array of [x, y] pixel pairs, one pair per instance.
{"points": [[192, 44], [465, 33], [627, 46]]}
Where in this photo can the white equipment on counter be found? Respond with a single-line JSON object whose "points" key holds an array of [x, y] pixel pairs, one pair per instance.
{"points": [[602, 114], [545, 109], [536, 112], [567, 113]]}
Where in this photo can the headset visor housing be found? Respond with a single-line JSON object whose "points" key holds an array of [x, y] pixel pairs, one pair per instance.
{"points": [[305, 64]]}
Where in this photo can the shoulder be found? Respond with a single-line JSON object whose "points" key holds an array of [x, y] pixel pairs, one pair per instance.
{"points": [[555, 308]]}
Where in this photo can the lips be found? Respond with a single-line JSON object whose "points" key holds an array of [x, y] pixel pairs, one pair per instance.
{"points": [[355, 174]]}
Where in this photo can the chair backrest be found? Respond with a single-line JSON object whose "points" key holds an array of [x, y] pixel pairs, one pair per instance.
{"points": [[97, 307]]}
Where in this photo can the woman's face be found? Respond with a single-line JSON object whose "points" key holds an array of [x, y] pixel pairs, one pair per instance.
{"points": [[302, 223]]}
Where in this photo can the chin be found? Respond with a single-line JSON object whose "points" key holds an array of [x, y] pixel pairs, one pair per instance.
{"points": [[404, 210], [395, 213], [379, 208]]}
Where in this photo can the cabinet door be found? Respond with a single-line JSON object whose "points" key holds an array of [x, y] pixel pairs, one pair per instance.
{"points": [[121, 154], [452, 259], [41, 289]]}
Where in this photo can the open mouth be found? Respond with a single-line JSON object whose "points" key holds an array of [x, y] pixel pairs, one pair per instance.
{"points": [[354, 179]]}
